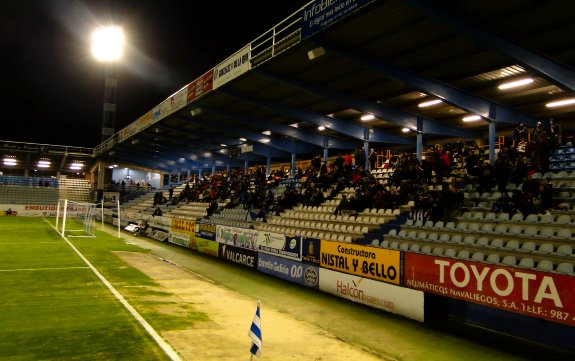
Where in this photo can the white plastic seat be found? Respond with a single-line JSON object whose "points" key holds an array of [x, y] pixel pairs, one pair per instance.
{"points": [[546, 248], [426, 249], [490, 216], [496, 242], [509, 260], [528, 246], [514, 229], [532, 218], [564, 233], [461, 226], [473, 227], [394, 245], [547, 232], [444, 237], [564, 250], [433, 236], [503, 216], [493, 258], [456, 238], [384, 244], [404, 246], [438, 251], [547, 218], [486, 227], [375, 242], [478, 256], [512, 244], [414, 247], [565, 267], [469, 240], [563, 219], [450, 252], [527, 262], [463, 254], [482, 241], [500, 228], [517, 217], [439, 225], [545, 265], [530, 231]]}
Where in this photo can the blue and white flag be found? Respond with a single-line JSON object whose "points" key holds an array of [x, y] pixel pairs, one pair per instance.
{"points": [[256, 334]]}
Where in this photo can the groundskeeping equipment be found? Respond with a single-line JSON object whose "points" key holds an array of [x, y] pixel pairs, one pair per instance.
{"points": [[76, 219]]}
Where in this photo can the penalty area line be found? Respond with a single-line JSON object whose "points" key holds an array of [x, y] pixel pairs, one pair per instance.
{"points": [[159, 340]]}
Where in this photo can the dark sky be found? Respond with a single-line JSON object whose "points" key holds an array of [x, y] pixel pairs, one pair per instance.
{"points": [[52, 88]]}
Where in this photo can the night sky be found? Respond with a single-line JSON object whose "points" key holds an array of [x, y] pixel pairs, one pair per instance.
{"points": [[52, 89]]}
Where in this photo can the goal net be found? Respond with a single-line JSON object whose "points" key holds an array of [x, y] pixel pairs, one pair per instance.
{"points": [[76, 219]]}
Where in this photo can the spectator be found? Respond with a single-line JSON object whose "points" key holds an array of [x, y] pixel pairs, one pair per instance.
{"points": [[554, 135], [157, 212], [519, 133], [372, 159]]}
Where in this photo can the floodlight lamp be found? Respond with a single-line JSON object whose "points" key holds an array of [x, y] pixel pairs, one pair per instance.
{"points": [[471, 118], [560, 103], [429, 103], [516, 83], [108, 43]]}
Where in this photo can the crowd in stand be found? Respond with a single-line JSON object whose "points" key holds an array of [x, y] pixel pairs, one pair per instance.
{"points": [[435, 184]]}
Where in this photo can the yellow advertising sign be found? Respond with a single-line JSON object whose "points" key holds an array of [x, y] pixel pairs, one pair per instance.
{"points": [[369, 262]]}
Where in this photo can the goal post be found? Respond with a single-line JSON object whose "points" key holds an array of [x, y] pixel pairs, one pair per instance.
{"points": [[108, 208], [76, 219]]}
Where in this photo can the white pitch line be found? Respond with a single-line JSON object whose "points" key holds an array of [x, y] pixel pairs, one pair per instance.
{"points": [[41, 269], [159, 340]]}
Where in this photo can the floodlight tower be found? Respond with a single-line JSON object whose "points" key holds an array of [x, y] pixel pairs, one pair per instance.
{"points": [[107, 47]]}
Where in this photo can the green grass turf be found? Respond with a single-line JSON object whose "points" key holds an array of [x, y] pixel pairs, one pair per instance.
{"points": [[53, 307]]}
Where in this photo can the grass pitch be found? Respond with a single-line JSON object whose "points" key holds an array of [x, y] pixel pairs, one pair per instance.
{"points": [[54, 307]]}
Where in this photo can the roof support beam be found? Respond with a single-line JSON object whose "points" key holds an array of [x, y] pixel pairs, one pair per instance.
{"points": [[334, 124], [393, 115], [274, 142], [448, 93], [307, 137], [556, 72]]}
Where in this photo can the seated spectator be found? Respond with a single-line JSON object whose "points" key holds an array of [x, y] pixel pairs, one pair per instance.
{"points": [[157, 212], [343, 206], [504, 204]]}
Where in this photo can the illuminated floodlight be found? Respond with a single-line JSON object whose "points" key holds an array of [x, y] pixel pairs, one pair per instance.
{"points": [[429, 103], [516, 83], [471, 118], [367, 117], [108, 43], [560, 103]]}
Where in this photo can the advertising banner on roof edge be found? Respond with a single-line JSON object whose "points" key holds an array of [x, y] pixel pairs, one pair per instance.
{"points": [[232, 67], [323, 13]]}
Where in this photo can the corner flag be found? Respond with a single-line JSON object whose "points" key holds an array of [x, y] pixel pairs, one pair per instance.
{"points": [[256, 334]]}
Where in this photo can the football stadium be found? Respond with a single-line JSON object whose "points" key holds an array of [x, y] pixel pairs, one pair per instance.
{"points": [[368, 179]]}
